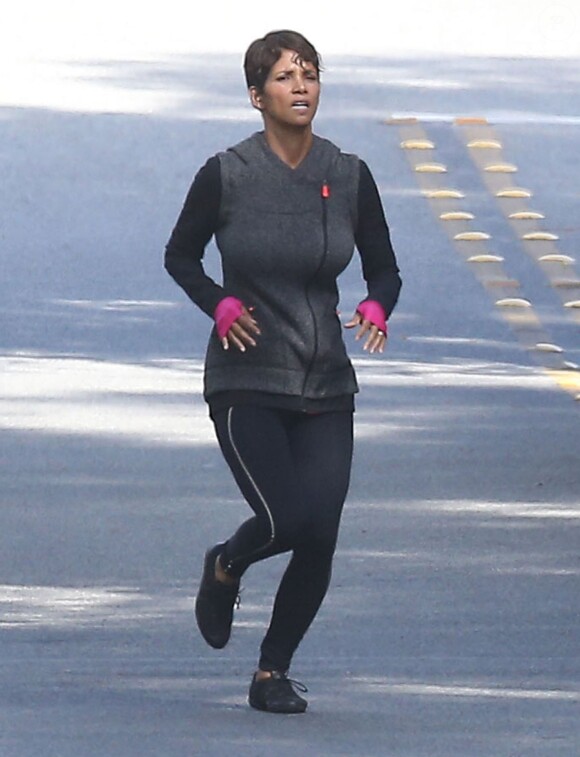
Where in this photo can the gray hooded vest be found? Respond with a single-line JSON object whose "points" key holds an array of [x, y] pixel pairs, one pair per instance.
{"points": [[284, 236]]}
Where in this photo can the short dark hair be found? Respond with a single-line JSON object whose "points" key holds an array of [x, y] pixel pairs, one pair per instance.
{"points": [[263, 53]]}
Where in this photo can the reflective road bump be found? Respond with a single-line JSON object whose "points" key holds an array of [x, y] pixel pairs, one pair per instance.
{"points": [[444, 194], [513, 192], [457, 215], [471, 236], [485, 144], [556, 258], [417, 144], [513, 302], [540, 236], [526, 215], [501, 168], [485, 259], [430, 168], [548, 347]]}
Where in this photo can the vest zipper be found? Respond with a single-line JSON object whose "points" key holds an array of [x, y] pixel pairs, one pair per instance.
{"points": [[324, 195]]}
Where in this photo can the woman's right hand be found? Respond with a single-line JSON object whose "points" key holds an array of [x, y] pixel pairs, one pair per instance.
{"points": [[242, 331]]}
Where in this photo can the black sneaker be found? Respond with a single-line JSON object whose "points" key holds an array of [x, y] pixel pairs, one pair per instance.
{"points": [[277, 694], [214, 604]]}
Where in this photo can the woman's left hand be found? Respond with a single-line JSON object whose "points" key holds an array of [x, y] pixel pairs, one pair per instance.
{"points": [[376, 338]]}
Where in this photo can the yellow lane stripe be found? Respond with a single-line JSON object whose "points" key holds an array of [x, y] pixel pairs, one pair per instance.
{"points": [[567, 380], [445, 202], [485, 149]]}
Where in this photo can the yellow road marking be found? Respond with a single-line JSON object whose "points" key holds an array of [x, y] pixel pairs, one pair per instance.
{"points": [[537, 242], [567, 380], [516, 310]]}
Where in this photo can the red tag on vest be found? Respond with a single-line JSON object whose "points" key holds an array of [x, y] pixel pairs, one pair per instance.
{"points": [[325, 191]]}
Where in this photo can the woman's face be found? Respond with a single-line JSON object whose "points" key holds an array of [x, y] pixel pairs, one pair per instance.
{"points": [[291, 92]]}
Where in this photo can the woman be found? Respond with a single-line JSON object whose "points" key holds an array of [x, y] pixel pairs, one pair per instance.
{"points": [[287, 209]]}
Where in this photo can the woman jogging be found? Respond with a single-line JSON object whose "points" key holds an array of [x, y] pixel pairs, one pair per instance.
{"points": [[287, 209]]}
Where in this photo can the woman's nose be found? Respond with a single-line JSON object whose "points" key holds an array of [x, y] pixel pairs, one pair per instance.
{"points": [[300, 85]]}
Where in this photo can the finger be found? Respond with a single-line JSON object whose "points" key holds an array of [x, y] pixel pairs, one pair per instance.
{"points": [[236, 341], [249, 323], [365, 326], [381, 341], [242, 335], [370, 340], [376, 342], [374, 339], [354, 321]]}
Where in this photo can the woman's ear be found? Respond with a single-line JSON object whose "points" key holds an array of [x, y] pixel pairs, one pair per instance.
{"points": [[256, 98]]}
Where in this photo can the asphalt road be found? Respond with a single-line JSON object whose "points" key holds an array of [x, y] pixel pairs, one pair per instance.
{"points": [[451, 628]]}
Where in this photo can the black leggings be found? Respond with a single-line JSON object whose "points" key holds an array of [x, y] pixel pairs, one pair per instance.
{"points": [[293, 469]]}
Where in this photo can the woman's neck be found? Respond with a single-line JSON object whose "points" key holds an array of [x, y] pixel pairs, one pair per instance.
{"points": [[290, 145]]}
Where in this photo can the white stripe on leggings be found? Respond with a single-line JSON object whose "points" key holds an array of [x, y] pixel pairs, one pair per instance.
{"points": [[251, 480]]}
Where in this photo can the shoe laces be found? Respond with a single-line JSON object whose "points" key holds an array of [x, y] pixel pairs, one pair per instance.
{"points": [[283, 678], [229, 589]]}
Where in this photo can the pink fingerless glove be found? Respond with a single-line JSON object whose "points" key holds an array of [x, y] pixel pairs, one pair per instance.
{"points": [[373, 311], [226, 313]]}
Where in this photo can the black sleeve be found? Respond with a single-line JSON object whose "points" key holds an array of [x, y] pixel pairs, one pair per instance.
{"points": [[373, 241], [195, 226]]}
